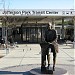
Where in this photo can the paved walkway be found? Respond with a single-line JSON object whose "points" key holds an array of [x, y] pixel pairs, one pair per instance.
{"points": [[26, 60]]}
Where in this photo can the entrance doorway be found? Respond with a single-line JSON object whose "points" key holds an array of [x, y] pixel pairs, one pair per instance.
{"points": [[33, 33]]}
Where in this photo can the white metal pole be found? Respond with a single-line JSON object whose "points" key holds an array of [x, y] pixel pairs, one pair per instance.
{"points": [[5, 19], [74, 33]]}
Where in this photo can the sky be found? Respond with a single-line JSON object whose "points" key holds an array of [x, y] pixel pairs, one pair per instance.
{"points": [[37, 4]]}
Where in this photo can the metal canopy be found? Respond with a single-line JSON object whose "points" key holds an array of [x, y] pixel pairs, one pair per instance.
{"points": [[17, 17], [30, 19]]}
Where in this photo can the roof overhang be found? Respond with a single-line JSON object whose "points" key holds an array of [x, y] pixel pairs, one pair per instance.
{"points": [[37, 12], [19, 16]]}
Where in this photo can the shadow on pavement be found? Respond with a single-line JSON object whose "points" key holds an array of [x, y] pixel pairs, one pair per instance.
{"points": [[58, 71], [14, 73], [35, 69]]}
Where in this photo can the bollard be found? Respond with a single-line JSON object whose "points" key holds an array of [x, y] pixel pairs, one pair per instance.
{"points": [[74, 44], [30, 48], [23, 50], [7, 50]]}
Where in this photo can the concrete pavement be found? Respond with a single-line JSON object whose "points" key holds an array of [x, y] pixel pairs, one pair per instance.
{"points": [[26, 59]]}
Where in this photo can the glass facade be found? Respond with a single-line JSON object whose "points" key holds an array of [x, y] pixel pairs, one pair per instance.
{"points": [[33, 33]]}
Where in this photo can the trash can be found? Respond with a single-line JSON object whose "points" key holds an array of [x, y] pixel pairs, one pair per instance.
{"points": [[2, 41], [58, 37]]}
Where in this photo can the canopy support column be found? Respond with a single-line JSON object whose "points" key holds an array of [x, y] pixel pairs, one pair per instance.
{"points": [[53, 23], [62, 28]]}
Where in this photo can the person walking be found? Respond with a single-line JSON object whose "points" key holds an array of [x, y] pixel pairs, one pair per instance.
{"points": [[11, 41]]}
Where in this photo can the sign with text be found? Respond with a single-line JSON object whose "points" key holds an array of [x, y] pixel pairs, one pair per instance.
{"points": [[16, 12]]}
